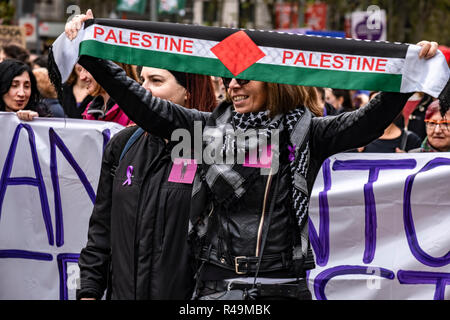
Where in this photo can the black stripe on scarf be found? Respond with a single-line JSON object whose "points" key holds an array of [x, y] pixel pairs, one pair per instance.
{"points": [[265, 38]]}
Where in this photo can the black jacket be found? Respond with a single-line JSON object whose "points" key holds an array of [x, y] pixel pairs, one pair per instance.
{"points": [[137, 237], [327, 136]]}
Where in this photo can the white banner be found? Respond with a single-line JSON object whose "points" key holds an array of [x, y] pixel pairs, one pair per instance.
{"points": [[49, 175], [379, 222], [379, 227]]}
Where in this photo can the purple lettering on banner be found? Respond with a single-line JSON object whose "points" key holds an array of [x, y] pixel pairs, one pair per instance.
{"points": [[374, 167], [6, 180], [411, 236], [321, 243], [63, 258], [440, 279], [56, 141], [22, 254], [321, 280], [106, 137]]}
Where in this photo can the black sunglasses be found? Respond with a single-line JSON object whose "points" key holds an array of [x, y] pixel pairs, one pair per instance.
{"points": [[241, 82]]}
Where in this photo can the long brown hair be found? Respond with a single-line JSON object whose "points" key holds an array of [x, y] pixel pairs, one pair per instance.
{"points": [[201, 94], [281, 98]]}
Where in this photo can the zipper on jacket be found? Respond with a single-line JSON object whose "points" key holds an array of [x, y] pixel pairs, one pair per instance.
{"points": [[261, 222]]}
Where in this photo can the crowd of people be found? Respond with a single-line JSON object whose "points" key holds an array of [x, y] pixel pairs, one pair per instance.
{"points": [[209, 238]]}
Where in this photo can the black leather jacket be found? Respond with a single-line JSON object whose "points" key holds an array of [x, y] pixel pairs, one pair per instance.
{"points": [[236, 228], [137, 242]]}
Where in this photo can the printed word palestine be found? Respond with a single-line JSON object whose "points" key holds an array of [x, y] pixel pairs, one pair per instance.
{"points": [[143, 40]]}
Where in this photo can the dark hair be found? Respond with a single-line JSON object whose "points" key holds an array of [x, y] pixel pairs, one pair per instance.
{"points": [[16, 51], [41, 61], [321, 92], [347, 103], [11, 68]]}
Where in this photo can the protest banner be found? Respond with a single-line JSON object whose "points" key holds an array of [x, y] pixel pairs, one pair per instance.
{"points": [[378, 222], [378, 227], [49, 176], [12, 34]]}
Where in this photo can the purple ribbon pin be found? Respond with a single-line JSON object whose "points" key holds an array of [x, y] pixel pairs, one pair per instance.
{"points": [[292, 153], [129, 176]]}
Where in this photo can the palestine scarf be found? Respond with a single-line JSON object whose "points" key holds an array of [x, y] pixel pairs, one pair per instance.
{"points": [[255, 55]]}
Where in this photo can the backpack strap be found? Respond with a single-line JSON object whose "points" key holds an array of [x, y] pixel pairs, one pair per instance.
{"points": [[298, 137], [136, 135]]}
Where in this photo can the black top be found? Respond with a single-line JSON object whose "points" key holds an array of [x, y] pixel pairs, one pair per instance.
{"points": [[389, 145]]}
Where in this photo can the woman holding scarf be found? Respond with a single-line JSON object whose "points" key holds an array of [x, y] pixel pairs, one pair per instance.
{"points": [[249, 223]]}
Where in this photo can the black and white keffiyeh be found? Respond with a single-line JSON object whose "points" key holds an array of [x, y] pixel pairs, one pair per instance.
{"points": [[228, 182]]}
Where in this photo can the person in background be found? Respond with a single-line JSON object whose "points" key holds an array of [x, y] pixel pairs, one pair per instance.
{"points": [[328, 109], [360, 98], [438, 130], [394, 139], [15, 51], [75, 96], [414, 113], [140, 229], [19, 92], [39, 62], [339, 99], [102, 107], [48, 92]]}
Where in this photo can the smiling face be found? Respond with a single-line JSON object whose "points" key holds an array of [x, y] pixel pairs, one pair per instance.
{"points": [[439, 136], [250, 97], [162, 84], [18, 94], [91, 84]]}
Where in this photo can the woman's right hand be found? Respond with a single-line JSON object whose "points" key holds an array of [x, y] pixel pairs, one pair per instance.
{"points": [[27, 115], [74, 25]]}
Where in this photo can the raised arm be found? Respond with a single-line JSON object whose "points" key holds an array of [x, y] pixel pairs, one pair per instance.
{"points": [[331, 135], [157, 116]]}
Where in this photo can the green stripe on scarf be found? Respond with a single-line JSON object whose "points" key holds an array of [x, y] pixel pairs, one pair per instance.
{"points": [[264, 72]]}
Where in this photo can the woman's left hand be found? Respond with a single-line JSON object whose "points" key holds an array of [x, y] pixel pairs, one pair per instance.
{"points": [[429, 49], [27, 115]]}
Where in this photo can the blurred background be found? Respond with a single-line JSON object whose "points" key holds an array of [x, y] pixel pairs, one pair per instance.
{"points": [[37, 24]]}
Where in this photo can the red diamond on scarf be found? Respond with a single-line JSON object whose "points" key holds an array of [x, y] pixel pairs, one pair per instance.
{"points": [[237, 52]]}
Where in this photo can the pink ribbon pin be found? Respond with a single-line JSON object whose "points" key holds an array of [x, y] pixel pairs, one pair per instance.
{"points": [[129, 176]]}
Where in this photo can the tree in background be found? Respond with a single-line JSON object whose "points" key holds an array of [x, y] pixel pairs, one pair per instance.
{"points": [[7, 12]]}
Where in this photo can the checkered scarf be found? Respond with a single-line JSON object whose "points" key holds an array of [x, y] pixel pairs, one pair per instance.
{"points": [[229, 182]]}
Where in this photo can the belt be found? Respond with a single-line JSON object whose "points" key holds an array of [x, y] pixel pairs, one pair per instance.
{"points": [[292, 290], [243, 265]]}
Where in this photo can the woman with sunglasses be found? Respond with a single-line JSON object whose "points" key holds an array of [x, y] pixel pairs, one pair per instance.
{"points": [[438, 130], [249, 225]]}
